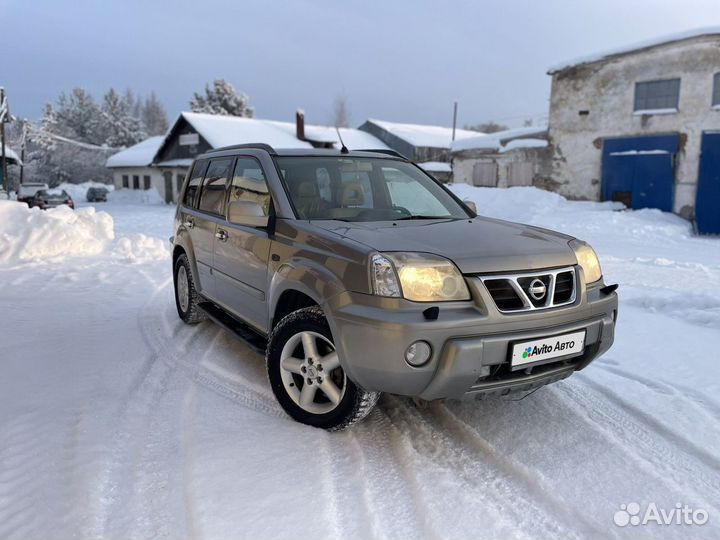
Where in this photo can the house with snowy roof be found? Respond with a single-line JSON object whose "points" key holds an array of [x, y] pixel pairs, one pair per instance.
{"points": [[513, 157], [417, 142], [639, 125], [162, 162]]}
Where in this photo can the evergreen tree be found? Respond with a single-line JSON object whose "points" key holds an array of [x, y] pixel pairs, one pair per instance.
{"points": [[121, 128], [153, 116], [223, 99]]}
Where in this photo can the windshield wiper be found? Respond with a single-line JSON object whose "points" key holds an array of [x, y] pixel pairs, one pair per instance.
{"points": [[420, 216]]}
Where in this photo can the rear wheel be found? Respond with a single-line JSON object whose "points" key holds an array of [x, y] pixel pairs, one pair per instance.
{"points": [[187, 299], [306, 376]]}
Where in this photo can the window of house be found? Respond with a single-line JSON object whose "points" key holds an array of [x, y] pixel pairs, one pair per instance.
{"points": [[654, 95], [196, 177], [125, 181], [136, 181], [248, 184], [716, 90], [146, 182], [212, 195]]}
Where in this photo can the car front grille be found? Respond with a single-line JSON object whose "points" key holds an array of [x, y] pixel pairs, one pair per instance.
{"points": [[532, 291]]}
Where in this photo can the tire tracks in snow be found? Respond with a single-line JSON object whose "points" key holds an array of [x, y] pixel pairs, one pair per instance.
{"points": [[504, 492], [659, 451]]}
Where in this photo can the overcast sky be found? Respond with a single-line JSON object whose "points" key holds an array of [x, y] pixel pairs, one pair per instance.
{"points": [[394, 60]]}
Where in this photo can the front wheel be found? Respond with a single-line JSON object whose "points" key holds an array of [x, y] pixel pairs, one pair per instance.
{"points": [[306, 376]]}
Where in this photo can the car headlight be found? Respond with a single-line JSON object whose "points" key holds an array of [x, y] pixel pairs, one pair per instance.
{"points": [[420, 277], [588, 260]]}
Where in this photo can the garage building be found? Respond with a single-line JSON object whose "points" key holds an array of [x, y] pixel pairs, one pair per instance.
{"points": [[641, 125]]}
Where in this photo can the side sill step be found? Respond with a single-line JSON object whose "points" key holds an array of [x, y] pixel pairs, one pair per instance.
{"points": [[238, 329]]}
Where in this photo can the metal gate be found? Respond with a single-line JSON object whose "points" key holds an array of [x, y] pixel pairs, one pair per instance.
{"points": [[640, 171], [707, 201]]}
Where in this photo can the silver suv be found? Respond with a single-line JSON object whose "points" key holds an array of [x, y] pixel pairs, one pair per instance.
{"points": [[358, 274]]}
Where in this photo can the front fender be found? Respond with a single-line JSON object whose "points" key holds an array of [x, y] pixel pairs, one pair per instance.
{"points": [[307, 277]]}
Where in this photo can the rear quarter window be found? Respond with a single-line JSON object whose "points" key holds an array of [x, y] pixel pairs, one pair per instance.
{"points": [[193, 185]]}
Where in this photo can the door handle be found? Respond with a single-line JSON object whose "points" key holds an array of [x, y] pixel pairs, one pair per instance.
{"points": [[221, 235], [189, 223]]}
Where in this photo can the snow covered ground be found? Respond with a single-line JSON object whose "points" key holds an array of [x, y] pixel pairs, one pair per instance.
{"points": [[117, 420]]}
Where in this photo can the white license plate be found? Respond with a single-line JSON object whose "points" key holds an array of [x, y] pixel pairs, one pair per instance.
{"points": [[537, 350]]}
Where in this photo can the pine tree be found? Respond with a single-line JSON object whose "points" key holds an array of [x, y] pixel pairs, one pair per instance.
{"points": [[120, 126], [78, 117], [222, 99], [153, 116]]}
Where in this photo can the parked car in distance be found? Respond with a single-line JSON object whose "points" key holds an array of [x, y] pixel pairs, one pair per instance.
{"points": [[366, 275], [51, 198], [27, 191], [96, 194]]}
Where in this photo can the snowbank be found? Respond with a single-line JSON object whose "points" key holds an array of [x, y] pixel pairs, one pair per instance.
{"points": [[78, 192], [583, 219], [141, 248], [135, 196], [33, 234]]}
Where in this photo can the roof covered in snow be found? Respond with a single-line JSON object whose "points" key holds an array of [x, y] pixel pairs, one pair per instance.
{"points": [[139, 155], [10, 155], [435, 166], [354, 139], [422, 135], [221, 131], [646, 44], [500, 139]]}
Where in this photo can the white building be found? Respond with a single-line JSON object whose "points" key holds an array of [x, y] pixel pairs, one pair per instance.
{"points": [[630, 124], [514, 157], [133, 168]]}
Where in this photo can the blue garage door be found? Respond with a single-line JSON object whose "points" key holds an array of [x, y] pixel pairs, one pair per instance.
{"points": [[640, 171], [707, 203]]}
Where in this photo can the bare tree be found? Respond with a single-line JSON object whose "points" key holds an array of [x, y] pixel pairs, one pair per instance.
{"points": [[487, 127], [341, 112]]}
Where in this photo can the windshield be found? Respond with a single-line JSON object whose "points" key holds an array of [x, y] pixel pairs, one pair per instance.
{"points": [[364, 189]]}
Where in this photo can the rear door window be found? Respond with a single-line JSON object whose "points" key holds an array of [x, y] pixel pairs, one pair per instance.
{"points": [[196, 177], [212, 196], [248, 184]]}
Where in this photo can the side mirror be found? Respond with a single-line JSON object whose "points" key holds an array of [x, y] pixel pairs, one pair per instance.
{"points": [[247, 213], [470, 205]]}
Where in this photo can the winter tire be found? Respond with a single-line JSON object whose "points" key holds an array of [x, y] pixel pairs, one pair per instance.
{"points": [[186, 297], [306, 376]]}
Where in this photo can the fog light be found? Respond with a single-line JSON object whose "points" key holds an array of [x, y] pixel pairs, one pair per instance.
{"points": [[418, 353]]}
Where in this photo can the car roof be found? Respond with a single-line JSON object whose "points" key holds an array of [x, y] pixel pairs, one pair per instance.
{"points": [[302, 152]]}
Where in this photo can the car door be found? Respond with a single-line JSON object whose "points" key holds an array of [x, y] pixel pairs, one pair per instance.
{"points": [[241, 251], [210, 183]]}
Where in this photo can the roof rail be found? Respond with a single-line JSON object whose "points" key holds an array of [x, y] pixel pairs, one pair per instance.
{"points": [[258, 146], [388, 151]]}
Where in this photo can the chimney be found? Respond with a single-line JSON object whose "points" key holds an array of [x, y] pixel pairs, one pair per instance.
{"points": [[300, 124]]}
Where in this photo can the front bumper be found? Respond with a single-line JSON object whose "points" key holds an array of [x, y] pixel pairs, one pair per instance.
{"points": [[470, 342]]}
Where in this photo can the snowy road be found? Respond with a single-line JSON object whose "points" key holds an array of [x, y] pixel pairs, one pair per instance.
{"points": [[117, 420]]}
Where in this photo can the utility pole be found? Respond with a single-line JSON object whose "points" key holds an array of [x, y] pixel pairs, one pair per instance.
{"points": [[4, 113], [454, 119], [22, 151]]}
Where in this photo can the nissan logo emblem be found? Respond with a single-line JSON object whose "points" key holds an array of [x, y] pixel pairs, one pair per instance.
{"points": [[537, 289]]}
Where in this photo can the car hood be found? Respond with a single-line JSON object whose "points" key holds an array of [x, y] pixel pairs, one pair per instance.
{"points": [[475, 245]]}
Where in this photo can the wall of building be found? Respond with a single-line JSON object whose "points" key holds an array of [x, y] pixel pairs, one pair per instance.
{"points": [[157, 179], [606, 91], [463, 164]]}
